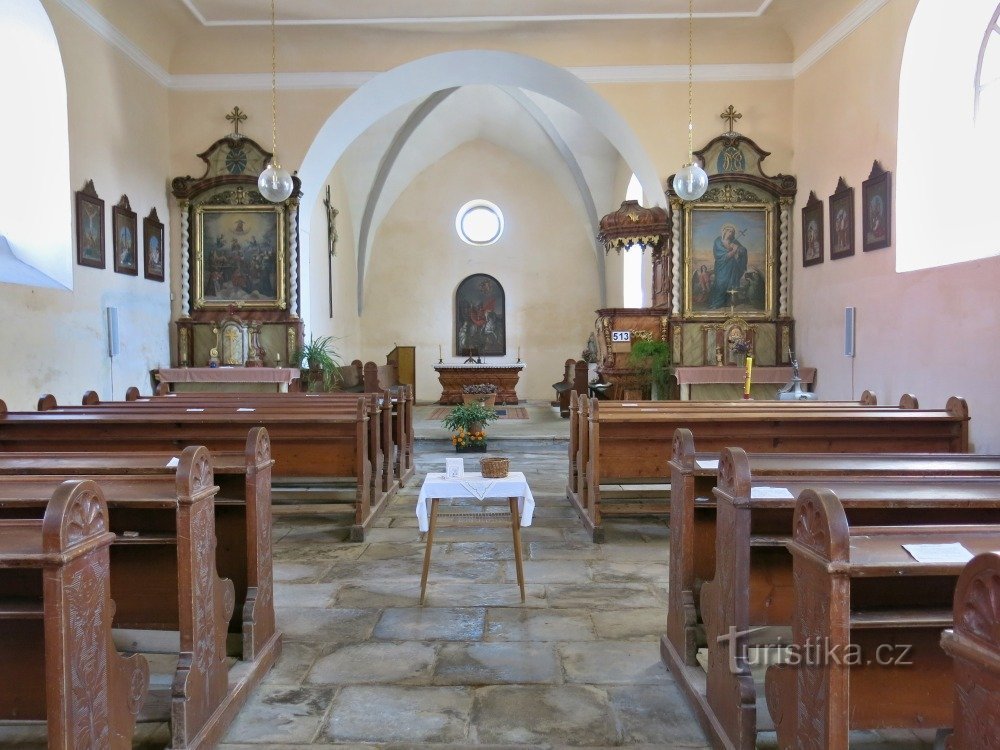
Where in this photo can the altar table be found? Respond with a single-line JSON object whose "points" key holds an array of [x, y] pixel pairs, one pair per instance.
{"points": [[688, 376], [227, 378], [519, 511], [503, 376]]}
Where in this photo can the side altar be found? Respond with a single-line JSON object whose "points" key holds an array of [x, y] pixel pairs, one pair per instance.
{"points": [[503, 376]]}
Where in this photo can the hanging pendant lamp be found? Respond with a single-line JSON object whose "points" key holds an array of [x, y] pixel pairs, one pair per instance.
{"points": [[275, 182], [691, 181]]}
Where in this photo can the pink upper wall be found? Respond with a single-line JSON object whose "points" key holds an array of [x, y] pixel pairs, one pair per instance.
{"points": [[932, 333]]}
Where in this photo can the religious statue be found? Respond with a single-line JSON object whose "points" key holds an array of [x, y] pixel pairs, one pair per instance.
{"points": [[589, 354], [718, 356]]}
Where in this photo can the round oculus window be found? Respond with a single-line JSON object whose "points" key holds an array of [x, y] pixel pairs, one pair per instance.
{"points": [[479, 223]]}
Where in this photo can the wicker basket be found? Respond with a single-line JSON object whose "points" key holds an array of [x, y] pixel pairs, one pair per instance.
{"points": [[494, 467]]}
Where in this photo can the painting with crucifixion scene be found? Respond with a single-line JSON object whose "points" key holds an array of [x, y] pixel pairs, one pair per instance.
{"points": [[239, 257], [728, 260], [480, 317]]}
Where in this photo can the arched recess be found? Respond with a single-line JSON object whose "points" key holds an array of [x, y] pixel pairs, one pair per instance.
{"points": [[421, 79]]}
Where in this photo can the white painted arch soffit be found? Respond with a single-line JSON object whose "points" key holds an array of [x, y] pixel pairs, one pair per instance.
{"points": [[383, 193], [423, 78]]}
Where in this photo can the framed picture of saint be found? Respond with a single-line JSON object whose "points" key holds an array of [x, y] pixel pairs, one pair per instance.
{"points": [[876, 209], [89, 227], [729, 260], [124, 240], [480, 317], [812, 231], [842, 221], [239, 257], [153, 252]]}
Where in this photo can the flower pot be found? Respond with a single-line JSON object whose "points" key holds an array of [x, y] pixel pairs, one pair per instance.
{"points": [[481, 448], [488, 400]]}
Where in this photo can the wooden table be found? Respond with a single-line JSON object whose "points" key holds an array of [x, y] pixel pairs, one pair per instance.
{"points": [[503, 376]]}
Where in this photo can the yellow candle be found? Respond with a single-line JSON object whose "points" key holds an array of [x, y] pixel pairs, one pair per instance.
{"points": [[746, 383]]}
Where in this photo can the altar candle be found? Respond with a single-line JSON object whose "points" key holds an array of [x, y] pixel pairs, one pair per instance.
{"points": [[746, 382], [440, 356], [518, 352]]}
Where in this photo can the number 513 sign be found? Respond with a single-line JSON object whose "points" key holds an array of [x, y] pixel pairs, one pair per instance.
{"points": [[621, 336]]}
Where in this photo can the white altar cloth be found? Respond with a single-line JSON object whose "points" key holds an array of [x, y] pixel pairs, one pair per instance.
{"points": [[473, 485]]}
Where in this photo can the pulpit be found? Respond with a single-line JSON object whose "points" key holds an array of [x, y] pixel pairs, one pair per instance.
{"points": [[454, 376]]}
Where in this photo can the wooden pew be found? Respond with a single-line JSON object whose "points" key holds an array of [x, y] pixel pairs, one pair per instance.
{"points": [[574, 380], [304, 445], [381, 428], [242, 521], [628, 445], [749, 600], [163, 577], [57, 657], [399, 434], [857, 585], [693, 522], [973, 643]]}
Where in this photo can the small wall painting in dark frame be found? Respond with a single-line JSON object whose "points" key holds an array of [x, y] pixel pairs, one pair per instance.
{"points": [[153, 252], [89, 227], [480, 317], [842, 221], [876, 209], [812, 231], [124, 241]]}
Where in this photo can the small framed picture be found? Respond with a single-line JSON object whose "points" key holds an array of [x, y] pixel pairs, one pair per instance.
{"points": [[89, 227], [876, 209], [153, 252], [812, 231], [123, 238], [842, 221]]}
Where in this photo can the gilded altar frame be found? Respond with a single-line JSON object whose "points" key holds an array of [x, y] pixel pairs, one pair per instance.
{"points": [[710, 230], [239, 257]]}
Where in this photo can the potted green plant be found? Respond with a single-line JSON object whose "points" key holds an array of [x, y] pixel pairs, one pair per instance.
{"points": [[468, 423], [655, 355], [320, 360], [483, 393]]}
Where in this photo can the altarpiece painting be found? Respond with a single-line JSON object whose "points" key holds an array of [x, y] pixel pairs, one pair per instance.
{"points": [[480, 317]]}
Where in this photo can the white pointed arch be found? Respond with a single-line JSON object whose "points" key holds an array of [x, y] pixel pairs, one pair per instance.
{"points": [[422, 78]]}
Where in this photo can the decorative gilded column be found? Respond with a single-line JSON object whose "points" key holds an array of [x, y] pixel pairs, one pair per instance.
{"points": [[185, 260], [785, 272], [293, 258], [675, 209]]}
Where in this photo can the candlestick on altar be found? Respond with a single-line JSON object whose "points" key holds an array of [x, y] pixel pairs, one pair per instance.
{"points": [[518, 352], [440, 355], [746, 382]]}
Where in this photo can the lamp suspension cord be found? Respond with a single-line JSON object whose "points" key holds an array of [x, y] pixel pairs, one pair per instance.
{"points": [[690, 81], [274, 88]]}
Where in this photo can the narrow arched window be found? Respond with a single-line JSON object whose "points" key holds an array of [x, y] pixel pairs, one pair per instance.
{"points": [[35, 200], [949, 114]]}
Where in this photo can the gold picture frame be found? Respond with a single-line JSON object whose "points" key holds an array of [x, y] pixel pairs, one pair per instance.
{"points": [[729, 260], [239, 257]]}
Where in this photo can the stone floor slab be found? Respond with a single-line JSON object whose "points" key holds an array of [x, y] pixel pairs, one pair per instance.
{"points": [[400, 714], [525, 714], [339, 625], [655, 715], [280, 714], [496, 663], [438, 623], [538, 625], [408, 663], [614, 663]]}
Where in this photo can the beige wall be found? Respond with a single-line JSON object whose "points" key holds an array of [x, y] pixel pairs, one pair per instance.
{"points": [[55, 341], [544, 260], [932, 333]]}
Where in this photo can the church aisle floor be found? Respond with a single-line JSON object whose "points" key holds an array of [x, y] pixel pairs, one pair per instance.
{"points": [[364, 665]]}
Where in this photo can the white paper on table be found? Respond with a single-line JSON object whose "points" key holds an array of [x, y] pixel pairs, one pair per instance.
{"points": [[940, 553], [770, 493], [630, 404], [245, 408], [173, 463], [454, 467], [707, 463], [194, 410]]}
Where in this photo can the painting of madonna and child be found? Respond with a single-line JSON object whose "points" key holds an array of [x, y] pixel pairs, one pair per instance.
{"points": [[240, 257], [480, 320], [727, 261]]}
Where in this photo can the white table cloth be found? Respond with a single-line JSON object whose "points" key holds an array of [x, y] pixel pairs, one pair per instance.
{"points": [[475, 485]]}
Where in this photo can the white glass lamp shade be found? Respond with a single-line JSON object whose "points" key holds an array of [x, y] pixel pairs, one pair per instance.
{"points": [[275, 183], [690, 182]]}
